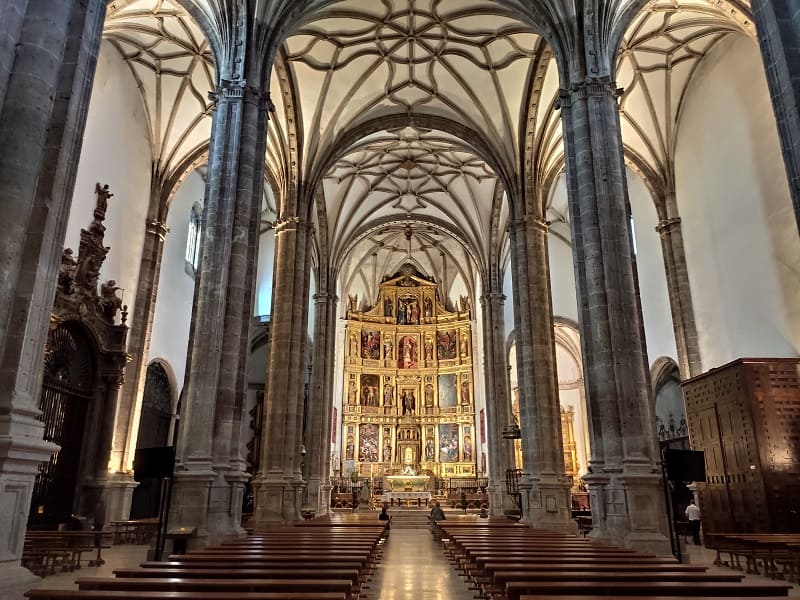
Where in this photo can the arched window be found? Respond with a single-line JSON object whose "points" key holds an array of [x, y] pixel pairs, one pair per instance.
{"points": [[193, 239]]}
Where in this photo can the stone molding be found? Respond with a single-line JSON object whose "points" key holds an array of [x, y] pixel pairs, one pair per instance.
{"points": [[290, 224], [667, 226], [492, 297], [238, 90], [156, 228], [591, 87], [522, 223]]}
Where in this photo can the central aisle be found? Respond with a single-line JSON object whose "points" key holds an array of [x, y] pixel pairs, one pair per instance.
{"points": [[414, 567]]}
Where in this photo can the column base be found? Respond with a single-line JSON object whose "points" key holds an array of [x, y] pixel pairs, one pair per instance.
{"points": [[325, 499], [547, 504], [318, 496], [21, 451], [278, 501], [16, 580], [499, 502], [208, 502], [119, 496], [628, 509]]}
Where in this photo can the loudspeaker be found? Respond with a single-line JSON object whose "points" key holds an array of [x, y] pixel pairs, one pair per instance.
{"points": [[685, 465], [149, 463]]}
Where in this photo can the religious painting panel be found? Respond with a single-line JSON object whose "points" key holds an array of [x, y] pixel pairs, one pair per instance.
{"points": [[464, 344], [368, 442], [408, 310], [428, 391], [408, 357], [408, 400], [353, 345], [352, 391], [388, 346], [447, 390], [448, 442], [371, 344], [446, 344], [388, 307], [430, 449], [388, 391], [428, 348], [428, 307], [369, 390], [466, 446], [350, 446], [465, 398], [387, 444]]}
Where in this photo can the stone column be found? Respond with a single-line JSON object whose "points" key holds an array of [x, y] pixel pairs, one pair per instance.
{"points": [[279, 482], [498, 400], [680, 297], [204, 496], [320, 405], [624, 475], [48, 53], [126, 426], [778, 28], [544, 486]]}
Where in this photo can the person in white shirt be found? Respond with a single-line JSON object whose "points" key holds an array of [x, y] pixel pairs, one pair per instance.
{"points": [[693, 514]]}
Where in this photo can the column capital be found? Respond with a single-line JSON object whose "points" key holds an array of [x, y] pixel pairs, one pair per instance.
{"points": [[493, 297], [237, 89], [325, 297], [290, 224], [591, 87], [156, 228], [530, 220], [667, 226]]}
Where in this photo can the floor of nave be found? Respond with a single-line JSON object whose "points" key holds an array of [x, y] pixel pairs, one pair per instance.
{"points": [[413, 567]]}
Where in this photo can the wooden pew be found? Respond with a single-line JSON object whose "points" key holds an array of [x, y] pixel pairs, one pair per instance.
{"points": [[43, 551], [142, 584], [212, 595], [515, 590]]}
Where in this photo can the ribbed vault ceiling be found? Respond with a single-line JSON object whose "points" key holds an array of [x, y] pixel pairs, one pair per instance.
{"points": [[464, 60], [170, 59], [471, 66]]}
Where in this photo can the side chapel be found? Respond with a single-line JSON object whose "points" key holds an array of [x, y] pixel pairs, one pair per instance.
{"points": [[408, 397]]}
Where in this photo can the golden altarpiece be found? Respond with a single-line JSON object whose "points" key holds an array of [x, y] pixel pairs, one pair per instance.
{"points": [[408, 387]]}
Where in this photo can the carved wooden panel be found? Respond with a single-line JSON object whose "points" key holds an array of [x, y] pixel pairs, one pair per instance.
{"points": [[746, 417]]}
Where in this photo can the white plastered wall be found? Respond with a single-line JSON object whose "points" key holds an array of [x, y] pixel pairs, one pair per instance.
{"points": [[116, 151], [173, 313], [659, 333], [266, 266], [742, 247]]}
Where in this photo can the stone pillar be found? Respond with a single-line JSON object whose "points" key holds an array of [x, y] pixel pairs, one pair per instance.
{"points": [[624, 474], [205, 497], [279, 483], [680, 297], [778, 28], [126, 426], [320, 405], [498, 401], [544, 486], [48, 53]]}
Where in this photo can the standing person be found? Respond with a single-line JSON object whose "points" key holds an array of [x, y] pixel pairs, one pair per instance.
{"points": [[693, 514], [464, 501]]}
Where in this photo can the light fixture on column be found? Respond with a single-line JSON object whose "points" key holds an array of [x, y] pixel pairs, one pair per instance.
{"points": [[512, 432]]}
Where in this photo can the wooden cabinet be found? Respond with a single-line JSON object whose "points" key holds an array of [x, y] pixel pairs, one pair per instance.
{"points": [[746, 417]]}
